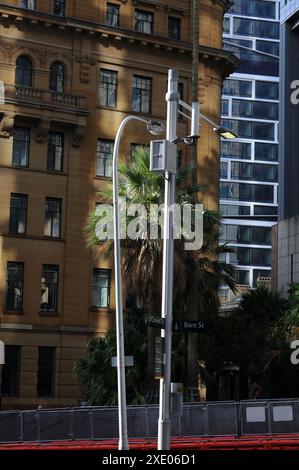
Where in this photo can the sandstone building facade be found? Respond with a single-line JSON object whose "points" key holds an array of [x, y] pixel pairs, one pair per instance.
{"points": [[71, 71]]}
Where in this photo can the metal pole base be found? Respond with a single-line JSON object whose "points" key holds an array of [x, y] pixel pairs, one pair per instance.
{"points": [[123, 444], [164, 428]]}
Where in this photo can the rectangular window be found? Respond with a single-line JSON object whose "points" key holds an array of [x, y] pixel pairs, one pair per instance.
{"points": [[108, 88], [247, 192], [243, 234], [101, 280], [250, 129], [226, 25], [55, 151], [21, 146], [265, 211], [104, 158], [252, 256], [237, 88], [234, 210], [265, 151], [261, 29], [18, 214], [11, 372], [255, 109], [254, 172], [59, 7], [141, 94], [223, 170], [29, 4], [49, 289], [236, 150], [144, 21], [260, 8], [113, 15], [174, 28], [52, 217], [267, 90], [224, 107], [14, 286], [268, 46], [46, 371]]}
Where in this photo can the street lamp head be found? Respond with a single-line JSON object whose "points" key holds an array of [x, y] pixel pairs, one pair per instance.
{"points": [[155, 127], [225, 133]]}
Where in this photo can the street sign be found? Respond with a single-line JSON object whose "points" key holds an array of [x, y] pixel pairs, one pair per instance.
{"points": [[159, 358], [2, 353], [155, 322], [129, 361], [188, 326]]}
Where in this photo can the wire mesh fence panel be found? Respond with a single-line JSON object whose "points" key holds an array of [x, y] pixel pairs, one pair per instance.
{"points": [[284, 417], [175, 425], [55, 425], [152, 419], [193, 420], [222, 419], [137, 422], [254, 418], [10, 427], [30, 426], [105, 423], [82, 424]]}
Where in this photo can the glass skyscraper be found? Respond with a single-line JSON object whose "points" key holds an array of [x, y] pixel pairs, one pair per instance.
{"points": [[249, 164]]}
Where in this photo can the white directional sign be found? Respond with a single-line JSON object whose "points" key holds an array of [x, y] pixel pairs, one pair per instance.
{"points": [[129, 361], [2, 353]]}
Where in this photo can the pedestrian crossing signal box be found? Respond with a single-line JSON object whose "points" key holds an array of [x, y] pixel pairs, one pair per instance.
{"points": [[163, 156]]}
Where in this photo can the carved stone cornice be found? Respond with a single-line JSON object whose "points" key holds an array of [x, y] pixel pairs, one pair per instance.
{"points": [[6, 125], [42, 131]]}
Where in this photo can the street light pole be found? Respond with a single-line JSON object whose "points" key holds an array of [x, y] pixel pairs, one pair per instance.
{"points": [[154, 128], [164, 424]]}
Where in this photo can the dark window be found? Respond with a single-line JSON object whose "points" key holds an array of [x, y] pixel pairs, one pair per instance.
{"points": [[261, 8], [24, 71], [144, 21], [265, 151], [254, 171], [174, 27], [11, 372], [237, 88], [101, 280], [45, 371], [234, 210], [247, 192], [265, 210], [245, 234], [226, 25], [255, 109], [261, 29], [29, 4], [141, 94], [18, 213], [250, 129], [236, 150], [21, 146], [268, 46], [104, 158], [55, 151], [242, 277], [113, 15], [108, 88], [223, 170], [14, 286], [59, 7], [252, 256], [267, 90], [57, 77], [52, 217], [260, 273], [224, 107], [49, 290]]}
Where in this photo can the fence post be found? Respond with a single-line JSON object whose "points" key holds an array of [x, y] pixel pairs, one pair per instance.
{"points": [[21, 437], [207, 429], [90, 412], [72, 426], [269, 418], [38, 425]]}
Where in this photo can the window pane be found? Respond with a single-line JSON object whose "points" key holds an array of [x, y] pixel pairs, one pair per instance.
{"points": [[49, 290], [55, 151], [113, 15], [59, 6], [237, 88], [52, 217], [14, 286], [18, 214], [108, 88], [29, 4], [141, 94], [260, 8], [11, 372], [267, 90], [254, 171], [144, 21], [174, 28], [266, 152], [101, 288], [57, 77], [236, 150], [266, 29], [250, 129], [46, 371], [104, 158], [255, 109], [21, 145], [246, 192], [234, 210], [24, 71]]}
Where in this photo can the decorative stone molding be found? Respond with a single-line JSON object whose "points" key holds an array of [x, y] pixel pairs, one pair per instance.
{"points": [[6, 125], [78, 135], [42, 131]]}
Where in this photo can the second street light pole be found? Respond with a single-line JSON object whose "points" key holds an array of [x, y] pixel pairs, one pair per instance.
{"points": [[164, 423]]}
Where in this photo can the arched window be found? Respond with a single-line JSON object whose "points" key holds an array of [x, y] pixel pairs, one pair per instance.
{"points": [[57, 77], [24, 69]]}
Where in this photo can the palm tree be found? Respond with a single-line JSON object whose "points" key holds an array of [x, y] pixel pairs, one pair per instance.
{"points": [[197, 276]]}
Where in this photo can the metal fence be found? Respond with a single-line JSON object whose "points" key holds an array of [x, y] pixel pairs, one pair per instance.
{"points": [[198, 419]]}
